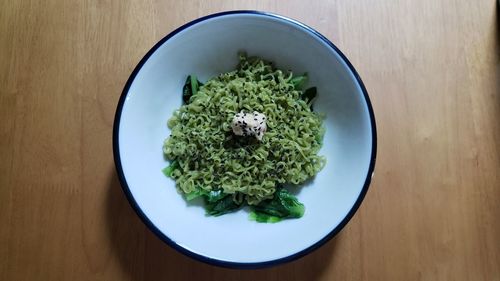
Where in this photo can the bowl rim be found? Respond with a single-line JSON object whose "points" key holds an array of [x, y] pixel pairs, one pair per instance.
{"points": [[218, 262]]}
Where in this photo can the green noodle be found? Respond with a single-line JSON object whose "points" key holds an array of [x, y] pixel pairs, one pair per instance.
{"points": [[209, 157]]}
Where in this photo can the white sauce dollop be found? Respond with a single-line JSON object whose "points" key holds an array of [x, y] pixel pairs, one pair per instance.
{"points": [[249, 124]]}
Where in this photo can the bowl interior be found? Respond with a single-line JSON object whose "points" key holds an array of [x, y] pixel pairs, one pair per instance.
{"points": [[207, 48]]}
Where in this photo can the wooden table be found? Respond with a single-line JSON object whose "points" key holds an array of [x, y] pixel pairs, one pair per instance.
{"points": [[433, 73]]}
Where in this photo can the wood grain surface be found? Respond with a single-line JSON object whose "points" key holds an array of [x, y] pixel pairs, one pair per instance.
{"points": [[432, 69]]}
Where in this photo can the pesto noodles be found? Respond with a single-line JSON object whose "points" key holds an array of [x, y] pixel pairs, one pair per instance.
{"points": [[208, 159]]}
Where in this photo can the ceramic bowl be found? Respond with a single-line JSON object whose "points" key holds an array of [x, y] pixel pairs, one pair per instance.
{"points": [[208, 46]]}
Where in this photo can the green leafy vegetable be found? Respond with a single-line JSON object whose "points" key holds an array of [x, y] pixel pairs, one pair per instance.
{"points": [[262, 217], [190, 88], [309, 95], [216, 201], [222, 206], [194, 84], [299, 82], [170, 168], [283, 205]]}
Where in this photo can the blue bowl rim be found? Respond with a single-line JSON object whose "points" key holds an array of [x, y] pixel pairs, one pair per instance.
{"points": [[223, 263]]}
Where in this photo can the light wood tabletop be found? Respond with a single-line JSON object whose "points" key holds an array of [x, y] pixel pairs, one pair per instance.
{"points": [[432, 70]]}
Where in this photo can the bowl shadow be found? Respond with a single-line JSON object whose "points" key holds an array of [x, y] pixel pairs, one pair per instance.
{"points": [[143, 256]]}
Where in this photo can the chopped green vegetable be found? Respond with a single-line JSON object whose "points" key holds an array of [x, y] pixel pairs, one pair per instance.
{"points": [[170, 168], [194, 84], [262, 217], [291, 203], [309, 94], [283, 205], [216, 201], [186, 90], [299, 82], [190, 88], [222, 206]]}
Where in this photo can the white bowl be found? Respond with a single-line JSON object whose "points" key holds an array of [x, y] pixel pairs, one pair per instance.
{"points": [[206, 47]]}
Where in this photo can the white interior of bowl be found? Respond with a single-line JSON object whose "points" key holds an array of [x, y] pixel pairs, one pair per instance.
{"points": [[206, 49]]}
